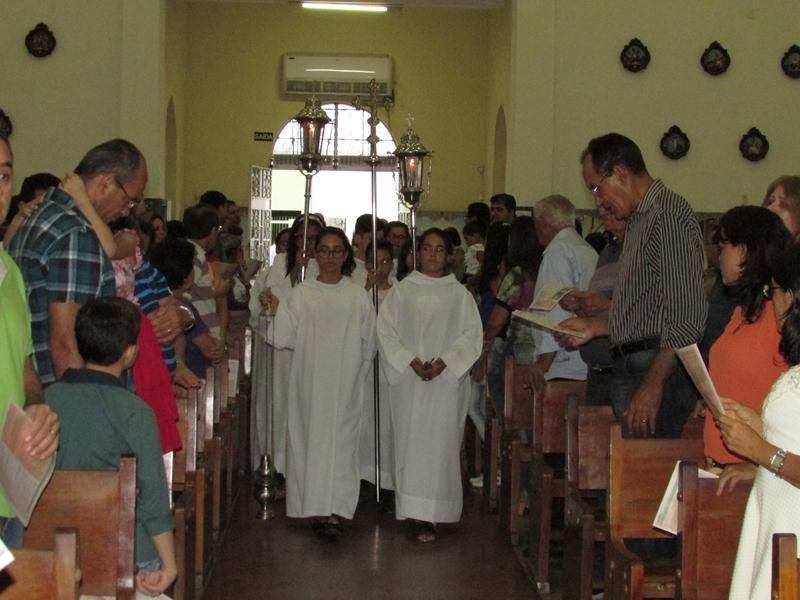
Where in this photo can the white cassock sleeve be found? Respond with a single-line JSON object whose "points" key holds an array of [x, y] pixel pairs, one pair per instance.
{"points": [[255, 306], [396, 357], [368, 340], [283, 328], [466, 348]]}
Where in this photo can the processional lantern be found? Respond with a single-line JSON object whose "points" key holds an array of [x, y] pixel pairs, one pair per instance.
{"points": [[412, 158], [312, 120]]}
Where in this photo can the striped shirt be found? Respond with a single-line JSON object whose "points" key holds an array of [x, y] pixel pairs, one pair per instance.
{"points": [[202, 293], [61, 262], [660, 289], [151, 286]]}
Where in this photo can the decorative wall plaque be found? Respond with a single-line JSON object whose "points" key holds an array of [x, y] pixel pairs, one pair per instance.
{"points": [[790, 63], [6, 128], [40, 41], [754, 146], [715, 60], [674, 143], [635, 56]]}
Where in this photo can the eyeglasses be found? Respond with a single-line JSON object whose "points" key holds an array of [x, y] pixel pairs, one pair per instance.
{"points": [[325, 251], [428, 249], [595, 188], [131, 201]]}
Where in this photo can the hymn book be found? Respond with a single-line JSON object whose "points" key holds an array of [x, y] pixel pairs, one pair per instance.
{"points": [[666, 518]]}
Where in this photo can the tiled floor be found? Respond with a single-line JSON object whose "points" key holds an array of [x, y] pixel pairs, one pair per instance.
{"points": [[376, 557]]}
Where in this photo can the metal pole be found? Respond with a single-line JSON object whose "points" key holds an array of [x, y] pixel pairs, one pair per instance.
{"points": [[414, 236], [305, 226]]}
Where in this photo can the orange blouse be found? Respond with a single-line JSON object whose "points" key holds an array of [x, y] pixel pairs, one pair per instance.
{"points": [[744, 362]]}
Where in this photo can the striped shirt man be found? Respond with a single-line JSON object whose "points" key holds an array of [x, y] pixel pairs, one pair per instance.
{"points": [[660, 289]]}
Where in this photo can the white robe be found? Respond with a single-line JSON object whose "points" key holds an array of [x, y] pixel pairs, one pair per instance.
{"points": [[428, 318], [331, 328], [367, 444], [271, 368]]}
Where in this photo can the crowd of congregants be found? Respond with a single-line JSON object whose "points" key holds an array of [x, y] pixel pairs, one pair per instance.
{"points": [[105, 306]]}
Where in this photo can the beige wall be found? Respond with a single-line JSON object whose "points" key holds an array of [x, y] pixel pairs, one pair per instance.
{"points": [[592, 94], [102, 81], [233, 77], [175, 58]]}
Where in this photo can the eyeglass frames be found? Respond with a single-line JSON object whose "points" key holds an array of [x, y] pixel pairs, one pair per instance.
{"points": [[131, 201]]}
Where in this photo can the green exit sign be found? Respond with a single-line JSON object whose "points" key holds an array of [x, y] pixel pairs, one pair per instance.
{"points": [[262, 136]]}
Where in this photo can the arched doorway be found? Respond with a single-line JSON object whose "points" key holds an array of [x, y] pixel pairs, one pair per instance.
{"points": [[499, 165], [341, 191]]}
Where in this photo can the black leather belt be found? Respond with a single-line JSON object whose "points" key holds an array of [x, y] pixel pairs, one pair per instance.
{"points": [[602, 370], [621, 350]]}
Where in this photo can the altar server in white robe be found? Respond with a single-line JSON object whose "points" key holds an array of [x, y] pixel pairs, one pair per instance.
{"points": [[330, 323], [271, 372], [382, 280], [430, 335]]}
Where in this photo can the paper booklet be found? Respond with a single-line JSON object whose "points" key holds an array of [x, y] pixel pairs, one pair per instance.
{"points": [[22, 477], [693, 362], [6, 558], [549, 297], [667, 514], [541, 319]]}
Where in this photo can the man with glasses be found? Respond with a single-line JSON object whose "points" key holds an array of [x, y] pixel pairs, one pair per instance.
{"points": [[659, 304], [61, 259]]}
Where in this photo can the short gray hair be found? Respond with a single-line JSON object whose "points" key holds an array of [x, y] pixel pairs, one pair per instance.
{"points": [[556, 211], [116, 157]]}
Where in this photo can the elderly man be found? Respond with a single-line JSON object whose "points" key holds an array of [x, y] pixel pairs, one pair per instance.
{"points": [[19, 379], [567, 262], [503, 208], [60, 256], [659, 304]]}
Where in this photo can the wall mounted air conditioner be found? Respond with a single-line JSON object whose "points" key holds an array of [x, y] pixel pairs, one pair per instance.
{"points": [[335, 76]]}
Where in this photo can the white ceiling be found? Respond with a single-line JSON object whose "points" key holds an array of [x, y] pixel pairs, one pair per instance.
{"points": [[410, 3]]}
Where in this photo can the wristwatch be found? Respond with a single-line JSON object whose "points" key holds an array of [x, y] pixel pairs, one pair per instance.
{"points": [[776, 462], [188, 318]]}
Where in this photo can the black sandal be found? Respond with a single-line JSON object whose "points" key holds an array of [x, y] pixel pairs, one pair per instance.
{"points": [[332, 527], [425, 532]]}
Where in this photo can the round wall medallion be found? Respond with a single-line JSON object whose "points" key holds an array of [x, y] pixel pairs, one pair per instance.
{"points": [[754, 146], [674, 143], [40, 41], [715, 59], [6, 128], [790, 63], [635, 56]]}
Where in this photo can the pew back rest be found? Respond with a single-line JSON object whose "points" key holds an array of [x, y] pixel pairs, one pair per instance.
{"points": [[708, 530], [550, 412], [518, 405], [785, 567], [588, 438], [639, 470], [101, 506], [44, 574]]}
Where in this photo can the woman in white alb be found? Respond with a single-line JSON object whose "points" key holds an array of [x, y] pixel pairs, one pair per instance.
{"points": [[329, 322], [430, 335], [771, 441]]}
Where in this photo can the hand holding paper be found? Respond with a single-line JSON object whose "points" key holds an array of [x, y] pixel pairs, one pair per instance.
{"points": [[693, 362]]}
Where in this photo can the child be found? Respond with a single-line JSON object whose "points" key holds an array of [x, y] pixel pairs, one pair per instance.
{"points": [[475, 236], [100, 420], [382, 280], [329, 322], [175, 260]]}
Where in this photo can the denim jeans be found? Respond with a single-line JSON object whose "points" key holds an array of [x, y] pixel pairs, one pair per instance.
{"points": [[629, 372]]}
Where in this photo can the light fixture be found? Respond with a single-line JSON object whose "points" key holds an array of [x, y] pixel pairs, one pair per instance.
{"points": [[312, 120], [411, 156], [349, 6]]}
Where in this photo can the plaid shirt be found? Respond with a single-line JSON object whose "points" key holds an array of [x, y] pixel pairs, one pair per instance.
{"points": [[61, 262]]}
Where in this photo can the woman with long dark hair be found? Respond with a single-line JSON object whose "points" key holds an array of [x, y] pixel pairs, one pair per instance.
{"points": [[771, 441]]}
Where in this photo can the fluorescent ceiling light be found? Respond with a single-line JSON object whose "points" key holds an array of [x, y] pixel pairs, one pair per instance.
{"points": [[372, 72], [346, 6]]}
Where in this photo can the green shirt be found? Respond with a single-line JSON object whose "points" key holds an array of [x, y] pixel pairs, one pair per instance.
{"points": [[15, 345], [101, 420]]}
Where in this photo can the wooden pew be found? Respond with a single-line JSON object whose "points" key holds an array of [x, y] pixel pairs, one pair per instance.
{"points": [[44, 574], [101, 506], [183, 494], [785, 567], [640, 469], [490, 457], [548, 451], [708, 534], [588, 438], [208, 473], [517, 418]]}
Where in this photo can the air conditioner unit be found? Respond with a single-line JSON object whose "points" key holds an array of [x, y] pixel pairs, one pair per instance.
{"points": [[334, 76]]}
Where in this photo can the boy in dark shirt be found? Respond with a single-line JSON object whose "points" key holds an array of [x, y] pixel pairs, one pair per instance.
{"points": [[101, 420]]}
